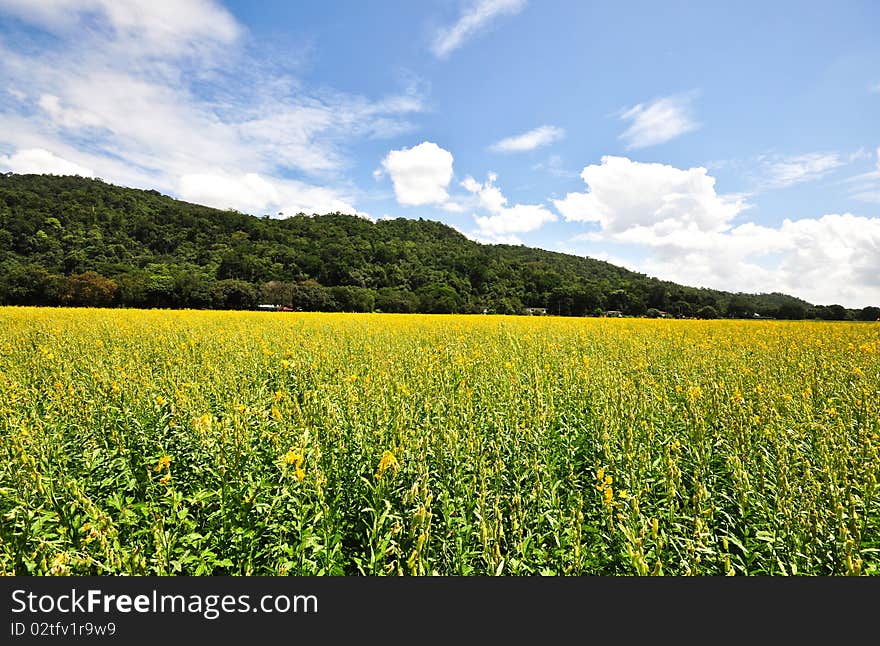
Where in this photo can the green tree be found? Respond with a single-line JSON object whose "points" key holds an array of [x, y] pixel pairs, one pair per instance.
{"points": [[707, 312], [439, 298], [89, 289], [234, 295], [791, 312], [869, 313]]}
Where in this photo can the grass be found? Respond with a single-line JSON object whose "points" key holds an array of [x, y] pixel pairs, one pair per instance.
{"points": [[180, 442]]}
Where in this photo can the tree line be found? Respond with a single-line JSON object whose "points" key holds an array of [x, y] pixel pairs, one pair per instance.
{"points": [[82, 242]]}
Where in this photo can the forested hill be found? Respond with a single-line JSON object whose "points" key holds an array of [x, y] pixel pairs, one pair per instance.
{"points": [[77, 241]]}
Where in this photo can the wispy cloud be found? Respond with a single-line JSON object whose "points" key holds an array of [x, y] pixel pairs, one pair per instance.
{"points": [[659, 121], [865, 187], [476, 16], [162, 28], [874, 88], [555, 166], [540, 136], [788, 171]]}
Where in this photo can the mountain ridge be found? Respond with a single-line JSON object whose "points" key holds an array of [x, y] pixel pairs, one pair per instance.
{"points": [[69, 240]]}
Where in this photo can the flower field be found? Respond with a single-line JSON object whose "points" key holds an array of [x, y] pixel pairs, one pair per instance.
{"points": [[253, 443]]}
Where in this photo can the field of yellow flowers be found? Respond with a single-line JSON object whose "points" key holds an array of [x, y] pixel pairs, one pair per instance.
{"points": [[181, 442]]}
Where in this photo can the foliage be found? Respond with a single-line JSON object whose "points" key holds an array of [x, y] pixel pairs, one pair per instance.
{"points": [[245, 443], [161, 252]]}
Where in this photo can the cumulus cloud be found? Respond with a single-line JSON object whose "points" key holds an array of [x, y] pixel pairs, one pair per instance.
{"points": [[41, 161], [831, 259], [530, 140], [476, 16], [690, 235], [659, 121], [420, 174], [624, 194], [504, 221]]}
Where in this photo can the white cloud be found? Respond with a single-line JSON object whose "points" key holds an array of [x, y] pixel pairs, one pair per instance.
{"points": [[149, 94], [249, 193], [504, 221], [420, 174], [688, 232], [865, 187], [555, 166], [832, 259], [659, 121], [858, 155], [787, 171], [41, 161], [66, 117], [158, 27], [867, 196], [475, 17], [624, 194], [874, 88], [530, 140], [453, 205], [252, 193]]}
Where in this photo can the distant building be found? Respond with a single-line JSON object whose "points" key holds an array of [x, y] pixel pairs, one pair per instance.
{"points": [[614, 314], [536, 311], [268, 308]]}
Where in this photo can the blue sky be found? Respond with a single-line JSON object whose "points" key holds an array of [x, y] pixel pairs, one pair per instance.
{"points": [[730, 145]]}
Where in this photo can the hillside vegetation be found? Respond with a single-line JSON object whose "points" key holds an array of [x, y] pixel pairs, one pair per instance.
{"points": [[77, 241]]}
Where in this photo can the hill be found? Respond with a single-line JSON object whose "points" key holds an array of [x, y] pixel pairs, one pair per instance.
{"points": [[76, 241]]}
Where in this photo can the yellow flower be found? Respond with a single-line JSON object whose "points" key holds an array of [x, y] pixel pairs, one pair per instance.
{"points": [[299, 473], [623, 494], [600, 474], [291, 457], [204, 422], [163, 463], [388, 461], [160, 400], [609, 495]]}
